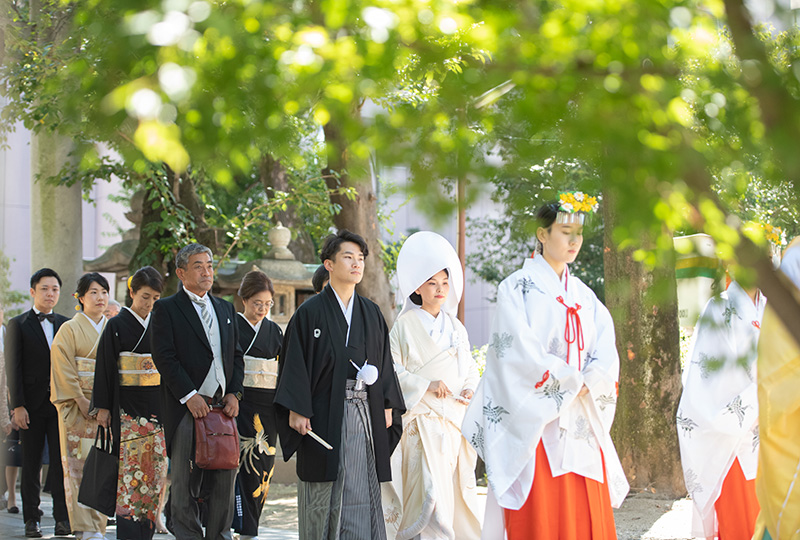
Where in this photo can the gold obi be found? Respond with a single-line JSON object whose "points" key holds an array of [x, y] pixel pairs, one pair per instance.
{"points": [[260, 372], [85, 373], [138, 370]]}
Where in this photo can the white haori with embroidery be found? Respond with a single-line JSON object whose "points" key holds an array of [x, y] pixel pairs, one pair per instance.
{"points": [[718, 411], [549, 338]]}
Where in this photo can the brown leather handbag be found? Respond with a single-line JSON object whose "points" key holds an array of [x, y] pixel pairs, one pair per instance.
{"points": [[216, 441]]}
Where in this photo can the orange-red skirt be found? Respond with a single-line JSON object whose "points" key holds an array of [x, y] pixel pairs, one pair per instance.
{"points": [[569, 507], [737, 506]]}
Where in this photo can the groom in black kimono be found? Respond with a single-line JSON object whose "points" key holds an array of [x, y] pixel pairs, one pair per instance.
{"points": [[329, 335]]}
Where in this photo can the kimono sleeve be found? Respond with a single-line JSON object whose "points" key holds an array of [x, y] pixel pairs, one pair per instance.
{"points": [[106, 370], [601, 373], [413, 386], [293, 390], [64, 377]]}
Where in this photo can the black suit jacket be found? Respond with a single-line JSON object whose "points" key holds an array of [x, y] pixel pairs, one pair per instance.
{"points": [[183, 355], [27, 357]]}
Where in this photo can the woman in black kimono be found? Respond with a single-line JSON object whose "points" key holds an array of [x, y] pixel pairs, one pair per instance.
{"points": [[126, 397], [260, 340]]}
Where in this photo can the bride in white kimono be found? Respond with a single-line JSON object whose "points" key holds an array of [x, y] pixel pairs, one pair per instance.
{"points": [[433, 493], [542, 414], [718, 415]]}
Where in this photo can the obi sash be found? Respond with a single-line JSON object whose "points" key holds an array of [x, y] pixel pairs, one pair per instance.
{"points": [[85, 373], [260, 372], [136, 369]]}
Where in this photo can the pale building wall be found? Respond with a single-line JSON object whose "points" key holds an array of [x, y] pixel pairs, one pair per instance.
{"points": [[98, 232]]}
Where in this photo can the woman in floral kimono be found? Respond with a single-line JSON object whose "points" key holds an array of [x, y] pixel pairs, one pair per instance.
{"points": [[260, 340], [542, 413], [432, 494], [126, 398], [72, 366]]}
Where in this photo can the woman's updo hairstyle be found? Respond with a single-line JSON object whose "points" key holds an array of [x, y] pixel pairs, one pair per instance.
{"points": [[254, 282], [147, 276], [417, 299], [85, 281], [545, 217]]}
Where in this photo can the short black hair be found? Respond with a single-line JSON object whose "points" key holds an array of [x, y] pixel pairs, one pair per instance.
{"points": [[545, 217], [319, 278], [334, 242], [147, 276], [43, 273], [86, 280]]}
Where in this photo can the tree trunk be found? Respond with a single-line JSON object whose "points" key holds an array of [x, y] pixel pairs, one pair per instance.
{"points": [[359, 216], [644, 307], [56, 237], [274, 175]]}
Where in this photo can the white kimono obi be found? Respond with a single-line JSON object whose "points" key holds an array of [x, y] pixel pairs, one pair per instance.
{"points": [[718, 411], [549, 338]]}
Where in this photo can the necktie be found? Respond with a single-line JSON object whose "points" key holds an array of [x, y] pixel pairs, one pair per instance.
{"points": [[49, 316], [205, 314]]}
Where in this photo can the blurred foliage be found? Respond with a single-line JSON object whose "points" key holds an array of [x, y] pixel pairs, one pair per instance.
{"points": [[678, 108]]}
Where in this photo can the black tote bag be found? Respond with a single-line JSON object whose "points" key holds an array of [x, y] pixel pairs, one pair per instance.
{"points": [[99, 484]]}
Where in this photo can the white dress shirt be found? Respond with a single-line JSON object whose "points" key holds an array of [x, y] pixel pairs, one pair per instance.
{"points": [[47, 326]]}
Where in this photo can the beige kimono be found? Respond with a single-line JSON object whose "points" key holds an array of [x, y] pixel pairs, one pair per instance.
{"points": [[72, 375], [433, 492]]}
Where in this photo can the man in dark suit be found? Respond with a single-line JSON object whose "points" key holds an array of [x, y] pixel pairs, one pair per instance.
{"points": [[27, 354], [195, 346]]}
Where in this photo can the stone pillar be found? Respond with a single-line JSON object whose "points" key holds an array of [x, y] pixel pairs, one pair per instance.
{"points": [[56, 233]]}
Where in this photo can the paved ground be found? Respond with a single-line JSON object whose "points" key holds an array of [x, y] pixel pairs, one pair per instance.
{"points": [[643, 516], [12, 526]]}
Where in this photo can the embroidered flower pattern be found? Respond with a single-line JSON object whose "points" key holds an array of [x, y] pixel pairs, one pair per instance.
{"points": [[526, 284], [686, 423], [590, 358], [252, 446], [500, 343], [692, 482], [738, 408], [707, 364], [477, 440], [557, 347], [756, 438], [583, 430], [143, 467], [553, 391], [606, 400], [494, 414], [728, 314]]}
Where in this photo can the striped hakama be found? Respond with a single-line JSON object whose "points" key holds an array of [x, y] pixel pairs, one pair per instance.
{"points": [[350, 507]]}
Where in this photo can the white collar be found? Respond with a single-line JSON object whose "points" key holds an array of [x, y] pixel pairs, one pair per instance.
{"points": [[143, 322], [37, 311], [97, 326], [255, 327], [346, 310]]}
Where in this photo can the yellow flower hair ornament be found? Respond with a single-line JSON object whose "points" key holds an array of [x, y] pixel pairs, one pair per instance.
{"points": [[75, 296], [130, 278], [572, 202]]}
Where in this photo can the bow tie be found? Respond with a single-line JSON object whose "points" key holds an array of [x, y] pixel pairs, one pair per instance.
{"points": [[49, 316]]}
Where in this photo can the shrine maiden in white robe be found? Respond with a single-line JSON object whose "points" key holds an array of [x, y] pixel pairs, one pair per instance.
{"points": [[718, 411], [549, 338]]}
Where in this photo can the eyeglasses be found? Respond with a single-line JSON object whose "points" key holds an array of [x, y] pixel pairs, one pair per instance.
{"points": [[259, 305]]}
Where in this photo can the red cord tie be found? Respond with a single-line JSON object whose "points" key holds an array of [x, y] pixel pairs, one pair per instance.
{"points": [[573, 332]]}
